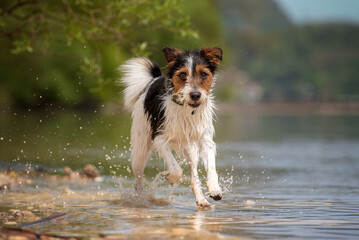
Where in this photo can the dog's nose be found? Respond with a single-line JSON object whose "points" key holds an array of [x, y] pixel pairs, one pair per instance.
{"points": [[195, 95]]}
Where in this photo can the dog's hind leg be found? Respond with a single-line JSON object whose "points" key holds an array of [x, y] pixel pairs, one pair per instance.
{"points": [[175, 170], [141, 146], [140, 153]]}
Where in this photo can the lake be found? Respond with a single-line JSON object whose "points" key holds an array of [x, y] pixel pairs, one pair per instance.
{"points": [[285, 176]]}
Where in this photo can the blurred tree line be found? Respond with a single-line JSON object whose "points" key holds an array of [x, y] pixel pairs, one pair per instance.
{"points": [[65, 53], [317, 62]]}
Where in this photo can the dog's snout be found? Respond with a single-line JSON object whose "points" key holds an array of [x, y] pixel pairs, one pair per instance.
{"points": [[195, 95]]}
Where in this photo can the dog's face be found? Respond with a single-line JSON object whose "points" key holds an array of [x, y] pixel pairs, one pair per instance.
{"points": [[192, 74]]}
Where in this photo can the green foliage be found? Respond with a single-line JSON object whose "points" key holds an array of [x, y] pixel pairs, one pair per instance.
{"points": [[67, 52], [64, 41]]}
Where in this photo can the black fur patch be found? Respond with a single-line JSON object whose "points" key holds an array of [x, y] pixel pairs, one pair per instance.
{"points": [[155, 70], [154, 105]]}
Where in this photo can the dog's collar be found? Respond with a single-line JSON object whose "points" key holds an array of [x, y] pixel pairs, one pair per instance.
{"points": [[174, 98]]}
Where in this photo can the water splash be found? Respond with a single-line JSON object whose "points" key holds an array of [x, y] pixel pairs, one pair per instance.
{"points": [[146, 198], [226, 183]]}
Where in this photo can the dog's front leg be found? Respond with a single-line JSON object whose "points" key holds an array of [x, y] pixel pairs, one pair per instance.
{"points": [[175, 170], [192, 156], [208, 156]]}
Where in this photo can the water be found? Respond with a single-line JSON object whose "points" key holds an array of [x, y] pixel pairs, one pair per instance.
{"points": [[286, 177]]}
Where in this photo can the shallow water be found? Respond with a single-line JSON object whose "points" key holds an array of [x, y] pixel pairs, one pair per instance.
{"points": [[285, 177]]}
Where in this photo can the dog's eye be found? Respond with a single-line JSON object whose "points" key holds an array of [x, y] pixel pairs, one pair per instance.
{"points": [[183, 76], [204, 75]]}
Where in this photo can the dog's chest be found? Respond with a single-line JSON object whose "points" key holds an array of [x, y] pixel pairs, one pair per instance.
{"points": [[182, 128]]}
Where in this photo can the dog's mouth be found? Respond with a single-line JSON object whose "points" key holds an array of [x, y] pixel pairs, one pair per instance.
{"points": [[195, 104]]}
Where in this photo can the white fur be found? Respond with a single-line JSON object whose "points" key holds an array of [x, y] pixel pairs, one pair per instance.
{"points": [[136, 76], [140, 141], [182, 128], [187, 132], [191, 136], [189, 64]]}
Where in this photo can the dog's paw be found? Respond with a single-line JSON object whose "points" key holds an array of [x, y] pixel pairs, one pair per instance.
{"points": [[204, 203], [216, 196]]}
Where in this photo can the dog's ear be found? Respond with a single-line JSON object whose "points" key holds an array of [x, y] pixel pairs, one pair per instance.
{"points": [[170, 54], [214, 55]]}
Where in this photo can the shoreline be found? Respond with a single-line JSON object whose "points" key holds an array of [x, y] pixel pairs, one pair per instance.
{"points": [[289, 108], [223, 107]]}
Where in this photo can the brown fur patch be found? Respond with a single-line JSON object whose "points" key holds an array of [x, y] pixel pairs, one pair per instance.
{"points": [[204, 83], [213, 54], [178, 83]]}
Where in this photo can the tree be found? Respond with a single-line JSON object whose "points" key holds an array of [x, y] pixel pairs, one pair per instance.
{"points": [[83, 33]]}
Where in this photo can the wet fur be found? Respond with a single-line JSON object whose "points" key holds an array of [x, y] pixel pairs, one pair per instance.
{"points": [[168, 115]]}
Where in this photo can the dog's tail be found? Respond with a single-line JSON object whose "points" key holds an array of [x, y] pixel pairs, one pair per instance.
{"points": [[136, 74]]}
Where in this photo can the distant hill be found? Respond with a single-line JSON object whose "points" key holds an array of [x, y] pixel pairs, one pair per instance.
{"points": [[288, 62], [252, 15]]}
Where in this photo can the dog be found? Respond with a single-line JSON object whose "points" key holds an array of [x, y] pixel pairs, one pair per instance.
{"points": [[174, 113]]}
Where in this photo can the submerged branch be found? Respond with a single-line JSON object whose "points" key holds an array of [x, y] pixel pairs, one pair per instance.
{"points": [[45, 219]]}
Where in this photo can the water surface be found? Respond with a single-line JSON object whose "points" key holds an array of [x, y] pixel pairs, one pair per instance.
{"points": [[285, 177]]}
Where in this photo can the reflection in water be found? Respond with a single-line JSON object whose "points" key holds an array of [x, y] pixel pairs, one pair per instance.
{"points": [[197, 220], [286, 177]]}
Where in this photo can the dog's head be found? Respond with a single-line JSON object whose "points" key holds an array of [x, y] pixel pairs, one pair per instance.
{"points": [[191, 74]]}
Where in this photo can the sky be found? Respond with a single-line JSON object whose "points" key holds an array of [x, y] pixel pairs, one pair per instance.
{"points": [[312, 11]]}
